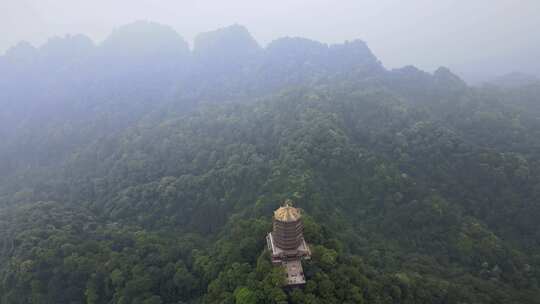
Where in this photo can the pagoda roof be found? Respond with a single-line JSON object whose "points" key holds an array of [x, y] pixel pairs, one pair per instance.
{"points": [[287, 213]]}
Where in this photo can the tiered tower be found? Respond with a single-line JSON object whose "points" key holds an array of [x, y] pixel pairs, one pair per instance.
{"points": [[286, 242]]}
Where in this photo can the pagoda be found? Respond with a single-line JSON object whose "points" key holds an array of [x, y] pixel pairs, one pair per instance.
{"points": [[286, 243]]}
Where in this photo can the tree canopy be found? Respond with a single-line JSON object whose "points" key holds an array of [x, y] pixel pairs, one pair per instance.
{"points": [[152, 178]]}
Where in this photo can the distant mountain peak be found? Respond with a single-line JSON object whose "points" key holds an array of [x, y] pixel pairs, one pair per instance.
{"points": [[410, 71], [144, 38], [231, 39], [354, 53], [443, 74], [73, 39], [67, 46], [22, 51]]}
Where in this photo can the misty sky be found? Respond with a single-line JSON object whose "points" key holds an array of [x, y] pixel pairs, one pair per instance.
{"points": [[475, 38]]}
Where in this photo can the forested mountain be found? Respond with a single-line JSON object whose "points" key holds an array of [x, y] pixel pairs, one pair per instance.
{"points": [[142, 171]]}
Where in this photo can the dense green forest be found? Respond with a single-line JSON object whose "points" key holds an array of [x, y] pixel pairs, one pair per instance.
{"points": [[140, 171]]}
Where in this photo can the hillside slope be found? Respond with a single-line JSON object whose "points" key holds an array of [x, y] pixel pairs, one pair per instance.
{"points": [[155, 179]]}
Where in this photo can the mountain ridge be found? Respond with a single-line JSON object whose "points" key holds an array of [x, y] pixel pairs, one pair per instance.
{"points": [[150, 177]]}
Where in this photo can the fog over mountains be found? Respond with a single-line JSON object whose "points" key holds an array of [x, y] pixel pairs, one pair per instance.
{"points": [[142, 171], [477, 40], [143, 65]]}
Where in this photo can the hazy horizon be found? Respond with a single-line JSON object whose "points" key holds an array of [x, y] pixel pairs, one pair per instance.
{"points": [[299, 152], [475, 40]]}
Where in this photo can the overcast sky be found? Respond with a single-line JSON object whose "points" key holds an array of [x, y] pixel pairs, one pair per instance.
{"points": [[475, 38]]}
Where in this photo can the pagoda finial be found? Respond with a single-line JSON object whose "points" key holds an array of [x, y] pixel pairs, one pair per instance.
{"points": [[288, 203]]}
